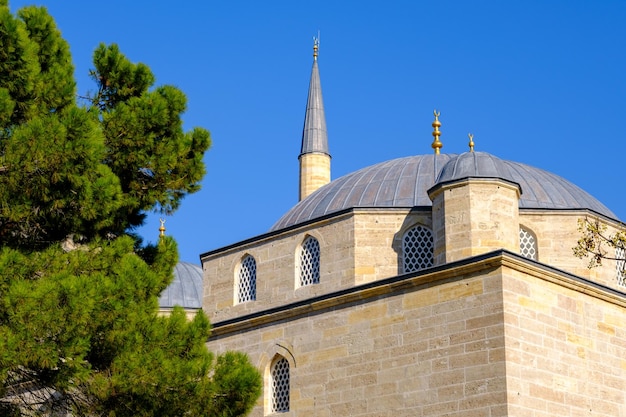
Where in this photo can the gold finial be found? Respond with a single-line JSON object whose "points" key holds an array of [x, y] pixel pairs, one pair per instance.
{"points": [[316, 45], [436, 145], [471, 142], [162, 228]]}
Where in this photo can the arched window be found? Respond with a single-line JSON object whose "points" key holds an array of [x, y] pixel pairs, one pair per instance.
{"points": [[527, 244], [280, 385], [246, 288], [417, 249], [309, 262], [620, 264]]}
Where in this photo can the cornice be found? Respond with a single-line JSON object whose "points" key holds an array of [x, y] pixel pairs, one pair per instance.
{"points": [[453, 272]]}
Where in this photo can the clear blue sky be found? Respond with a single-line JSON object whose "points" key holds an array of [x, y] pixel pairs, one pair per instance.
{"points": [[539, 82]]}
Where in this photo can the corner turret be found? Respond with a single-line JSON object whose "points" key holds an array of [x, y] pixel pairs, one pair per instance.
{"points": [[475, 207]]}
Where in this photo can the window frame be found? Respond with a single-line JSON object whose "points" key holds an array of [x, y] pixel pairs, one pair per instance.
{"points": [[250, 269], [309, 262], [531, 238], [280, 402], [423, 257]]}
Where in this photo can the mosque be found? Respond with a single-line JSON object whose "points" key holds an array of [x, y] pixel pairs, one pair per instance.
{"points": [[429, 285]]}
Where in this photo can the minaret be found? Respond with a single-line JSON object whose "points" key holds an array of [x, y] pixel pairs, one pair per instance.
{"points": [[314, 156]]}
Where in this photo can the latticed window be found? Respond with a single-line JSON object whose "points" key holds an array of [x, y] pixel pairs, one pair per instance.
{"points": [[247, 280], [417, 249], [620, 255], [527, 244], [310, 262], [280, 386]]}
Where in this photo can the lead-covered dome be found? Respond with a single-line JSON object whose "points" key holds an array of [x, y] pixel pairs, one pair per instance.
{"points": [[404, 182], [186, 288], [475, 165]]}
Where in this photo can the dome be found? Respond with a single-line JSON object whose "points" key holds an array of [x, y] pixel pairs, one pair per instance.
{"points": [[404, 182], [186, 288], [475, 165]]}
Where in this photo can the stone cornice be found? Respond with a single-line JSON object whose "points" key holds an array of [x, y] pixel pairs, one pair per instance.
{"points": [[563, 279], [455, 271], [448, 185]]}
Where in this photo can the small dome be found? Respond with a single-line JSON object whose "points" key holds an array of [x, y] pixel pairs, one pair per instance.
{"points": [[404, 182], [475, 165], [186, 288]]}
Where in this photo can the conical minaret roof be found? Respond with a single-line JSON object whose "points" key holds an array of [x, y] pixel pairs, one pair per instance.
{"points": [[314, 134]]}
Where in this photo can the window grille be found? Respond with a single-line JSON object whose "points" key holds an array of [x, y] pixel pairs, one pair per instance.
{"points": [[417, 249], [247, 280], [527, 244], [620, 264], [310, 262], [280, 386]]}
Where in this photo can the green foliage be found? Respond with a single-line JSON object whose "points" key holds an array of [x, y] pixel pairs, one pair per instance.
{"points": [[79, 324], [92, 171], [595, 240], [157, 163], [55, 183]]}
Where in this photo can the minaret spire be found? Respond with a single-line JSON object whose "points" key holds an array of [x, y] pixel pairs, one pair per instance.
{"points": [[314, 154]]}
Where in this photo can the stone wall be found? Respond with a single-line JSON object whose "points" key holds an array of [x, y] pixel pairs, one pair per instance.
{"points": [[492, 336], [314, 172], [366, 245], [378, 241], [356, 248], [557, 233], [474, 216], [433, 350], [565, 347], [276, 268]]}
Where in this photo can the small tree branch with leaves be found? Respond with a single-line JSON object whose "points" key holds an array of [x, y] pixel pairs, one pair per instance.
{"points": [[598, 244]]}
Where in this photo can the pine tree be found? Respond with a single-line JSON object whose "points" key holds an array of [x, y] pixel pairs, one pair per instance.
{"points": [[79, 329]]}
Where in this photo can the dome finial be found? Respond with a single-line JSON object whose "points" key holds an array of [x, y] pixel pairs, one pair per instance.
{"points": [[162, 228], [436, 145], [316, 45], [471, 142]]}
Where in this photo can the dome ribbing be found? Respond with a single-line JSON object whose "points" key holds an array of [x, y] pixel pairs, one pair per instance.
{"points": [[186, 288], [404, 182]]}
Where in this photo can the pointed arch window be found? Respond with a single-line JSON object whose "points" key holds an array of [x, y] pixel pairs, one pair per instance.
{"points": [[620, 265], [280, 385], [527, 243], [246, 288], [309, 262], [417, 249]]}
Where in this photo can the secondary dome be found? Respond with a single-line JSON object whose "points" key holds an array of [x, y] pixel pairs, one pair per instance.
{"points": [[404, 182], [475, 165], [186, 288]]}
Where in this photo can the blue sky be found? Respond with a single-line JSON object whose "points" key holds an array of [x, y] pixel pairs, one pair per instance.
{"points": [[539, 82]]}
